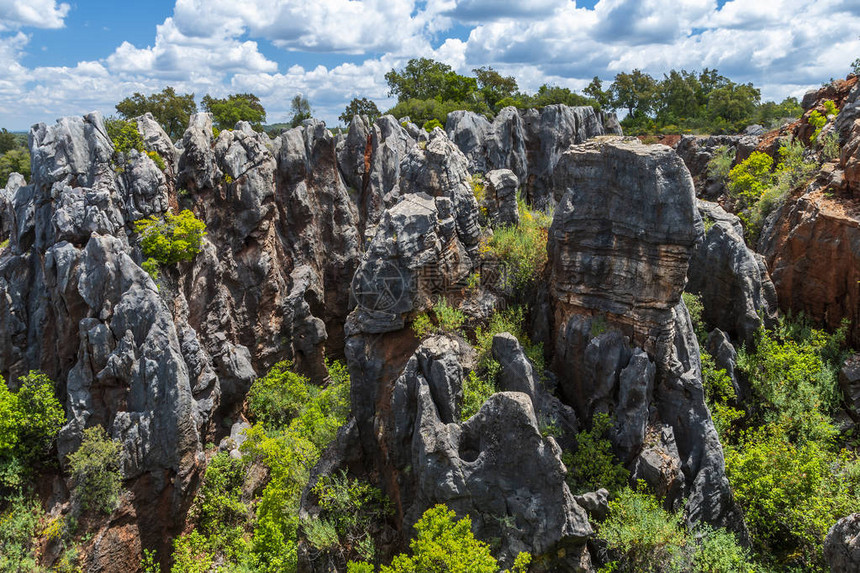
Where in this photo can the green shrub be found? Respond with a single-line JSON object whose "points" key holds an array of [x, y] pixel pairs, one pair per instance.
{"points": [[445, 544], [791, 494], [830, 149], [476, 391], [279, 396], [172, 239], [718, 551], [94, 469], [695, 307], [592, 465], [349, 509], [720, 396], [749, 178], [150, 265], [431, 124], [721, 163], [124, 135], [448, 320], [191, 554], [19, 526], [159, 162], [510, 320], [522, 247], [14, 161], [29, 421], [642, 535], [149, 564], [290, 452]]}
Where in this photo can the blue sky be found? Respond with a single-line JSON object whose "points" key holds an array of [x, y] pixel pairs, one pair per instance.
{"points": [[69, 58]]}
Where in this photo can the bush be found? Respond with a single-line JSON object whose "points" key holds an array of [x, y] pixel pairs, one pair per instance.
{"points": [[592, 465], [94, 469], [476, 391], [29, 421], [14, 161], [18, 535], [349, 509], [791, 494], [643, 537], [431, 124], [522, 248], [448, 320], [721, 163], [172, 239], [159, 162], [445, 544], [510, 320], [749, 179], [290, 452], [279, 396], [124, 135]]}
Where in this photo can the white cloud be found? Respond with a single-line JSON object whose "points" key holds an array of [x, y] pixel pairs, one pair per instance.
{"points": [[15, 14], [221, 47]]}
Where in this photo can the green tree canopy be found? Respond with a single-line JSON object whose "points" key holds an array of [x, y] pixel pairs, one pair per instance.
{"points": [[733, 102], [171, 110], [301, 108], [226, 112], [8, 141], [634, 91], [423, 78], [358, 106], [14, 161], [494, 86], [595, 91]]}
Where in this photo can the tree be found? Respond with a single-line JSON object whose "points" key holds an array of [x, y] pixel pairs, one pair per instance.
{"points": [[424, 79], [494, 86], [14, 161], [361, 106], [676, 97], [733, 102], [170, 110], [595, 91], [227, 112], [95, 470], [634, 92], [8, 141], [301, 109], [549, 95]]}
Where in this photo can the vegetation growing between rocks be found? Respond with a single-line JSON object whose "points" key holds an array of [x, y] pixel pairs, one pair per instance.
{"points": [[592, 465], [447, 320], [94, 468], [443, 544], [169, 240]]}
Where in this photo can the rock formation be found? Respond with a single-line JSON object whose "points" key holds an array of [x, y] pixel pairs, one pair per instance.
{"points": [[842, 545], [623, 340], [736, 290]]}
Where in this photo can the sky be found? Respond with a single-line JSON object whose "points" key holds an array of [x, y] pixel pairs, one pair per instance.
{"points": [[70, 58]]}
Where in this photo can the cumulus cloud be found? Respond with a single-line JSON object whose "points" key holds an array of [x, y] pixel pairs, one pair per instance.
{"points": [[15, 14], [225, 46]]}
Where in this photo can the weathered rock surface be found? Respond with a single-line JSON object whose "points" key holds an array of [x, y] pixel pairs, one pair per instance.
{"points": [[842, 545], [500, 197], [529, 143], [812, 248], [849, 381], [697, 151], [624, 343], [736, 290], [156, 364]]}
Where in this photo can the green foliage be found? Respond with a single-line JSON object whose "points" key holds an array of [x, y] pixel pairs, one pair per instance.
{"points": [[720, 396], [170, 110], [522, 247], [444, 544], [424, 79], [720, 164], [793, 381], [634, 91], [494, 87], [3, 244], [301, 109], [14, 161], [124, 135], [510, 320], [818, 121], [192, 554], [592, 464], [8, 141], [421, 111], [448, 320], [432, 124], [830, 149], [159, 162], [855, 67], [94, 469], [790, 493], [29, 421], [150, 265], [279, 396], [476, 391], [695, 307], [358, 106], [749, 178], [172, 239], [149, 564], [19, 526], [349, 509], [227, 112], [290, 452], [643, 537]]}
